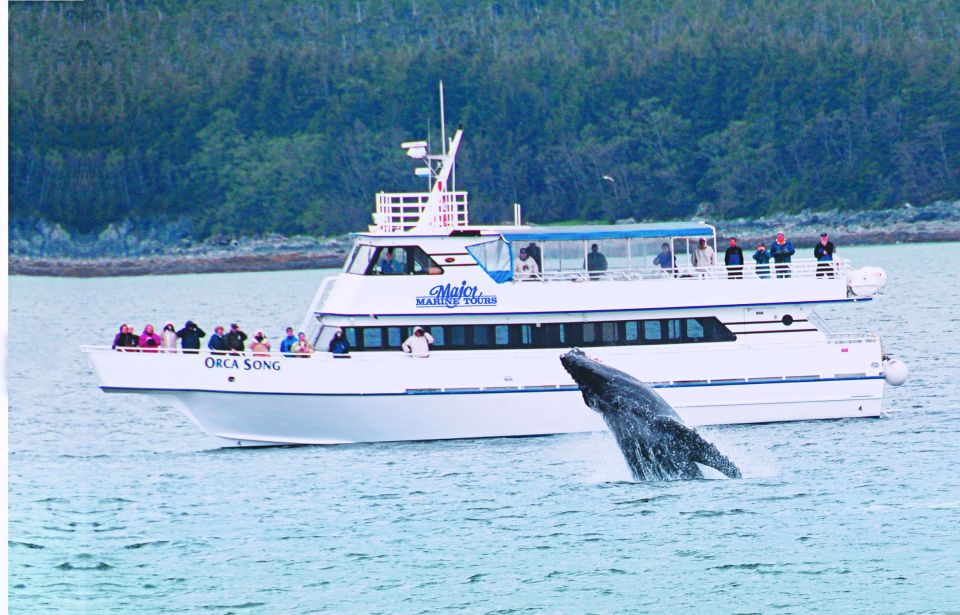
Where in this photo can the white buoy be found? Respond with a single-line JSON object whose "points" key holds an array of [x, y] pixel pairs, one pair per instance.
{"points": [[895, 372]]}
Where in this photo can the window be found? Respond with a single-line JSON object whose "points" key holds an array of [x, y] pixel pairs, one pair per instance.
{"points": [[395, 260], [360, 260], [673, 330], [549, 335], [481, 335], [372, 337], [652, 331]]}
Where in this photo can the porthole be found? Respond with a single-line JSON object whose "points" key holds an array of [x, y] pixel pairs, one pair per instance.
{"points": [[787, 320]]}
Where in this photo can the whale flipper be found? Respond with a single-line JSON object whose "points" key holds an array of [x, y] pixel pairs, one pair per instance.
{"points": [[652, 437]]}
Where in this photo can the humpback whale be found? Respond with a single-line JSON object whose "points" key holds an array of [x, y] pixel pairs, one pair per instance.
{"points": [[655, 442]]}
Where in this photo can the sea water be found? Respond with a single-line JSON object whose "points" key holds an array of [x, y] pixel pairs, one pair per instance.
{"points": [[119, 504]]}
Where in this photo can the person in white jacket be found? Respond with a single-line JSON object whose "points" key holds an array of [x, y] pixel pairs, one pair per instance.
{"points": [[418, 344], [703, 257], [168, 339]]}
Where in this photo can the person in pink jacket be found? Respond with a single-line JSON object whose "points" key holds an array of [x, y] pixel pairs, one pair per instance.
{"points": [[149, 341]]}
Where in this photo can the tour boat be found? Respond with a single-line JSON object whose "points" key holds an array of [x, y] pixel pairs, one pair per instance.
{"points": [[722, 346]]}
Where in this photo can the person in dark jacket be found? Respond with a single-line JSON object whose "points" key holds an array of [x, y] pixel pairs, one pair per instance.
{"points": [[190, 336], [824, 255], [217, 342], [665, 259], [781, 251], [733, 259], [762, 257], [124, 339], [596, 261], [339, 343], [533, 251], [235, 338]]}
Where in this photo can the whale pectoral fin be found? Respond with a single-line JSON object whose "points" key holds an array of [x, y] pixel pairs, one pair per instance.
{"points": [[701, 451]]}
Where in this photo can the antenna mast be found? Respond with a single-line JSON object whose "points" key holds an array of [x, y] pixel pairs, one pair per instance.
{"points": [[443, 127]]}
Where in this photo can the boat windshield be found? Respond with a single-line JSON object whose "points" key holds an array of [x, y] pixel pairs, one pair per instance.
{"points": [[391, 260]]}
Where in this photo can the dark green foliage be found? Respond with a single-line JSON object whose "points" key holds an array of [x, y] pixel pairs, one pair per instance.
{"points": [[285, 115]]}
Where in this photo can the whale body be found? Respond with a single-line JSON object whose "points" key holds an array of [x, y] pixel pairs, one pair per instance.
{"points": [[654, 440]]}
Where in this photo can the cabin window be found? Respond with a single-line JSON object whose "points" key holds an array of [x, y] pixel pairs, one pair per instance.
{"points": [[361, 259], [372, 337], [458, 336], [589, 332], [549, 335], [608, 331], [694, 330], [438, 337], [652, 330], [494, 258], [673, 330], [398, 260], [481, 335]]}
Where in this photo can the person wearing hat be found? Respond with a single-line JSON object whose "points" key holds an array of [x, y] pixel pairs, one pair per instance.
{"points": [[703, 256], [781, 251], [526, 267], [339, 344], [824, 255], [217, 343], [418, 344], [168, 338], [261, 345], [235, 338], [190, 336]]}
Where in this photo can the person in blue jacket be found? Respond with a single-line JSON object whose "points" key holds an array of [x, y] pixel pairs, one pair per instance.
{"points": [[190, 336], [287, 343], [762, 257], [733, 259], [781, 251], [217, 344], [339, 344]]}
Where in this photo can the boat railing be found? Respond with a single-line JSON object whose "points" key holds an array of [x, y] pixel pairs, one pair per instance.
{"points": [[800, 268], [400, 212]]}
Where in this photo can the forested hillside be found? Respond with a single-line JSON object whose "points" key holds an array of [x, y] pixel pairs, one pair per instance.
{"points": [[244, 117]]}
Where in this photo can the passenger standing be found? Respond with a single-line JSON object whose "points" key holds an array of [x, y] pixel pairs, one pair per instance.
{"points": [[762, 257], [217, 343], [781, 251], [190, 336], [824, 255], [418, 344], [235, 338], [596, 261], [533, 250], [261, 345], [665, 259], [703, 257], [302, 347], [526, 267], [149, 341], [286, 344], [125, 339], [168, 339], [339, 344], [733, 259]]}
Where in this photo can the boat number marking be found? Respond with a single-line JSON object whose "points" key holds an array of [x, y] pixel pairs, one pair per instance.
{"points": [[263, 365]]}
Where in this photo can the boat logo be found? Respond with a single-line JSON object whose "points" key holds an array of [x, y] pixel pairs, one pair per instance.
{"points": [[242, 364], [445, 295]]}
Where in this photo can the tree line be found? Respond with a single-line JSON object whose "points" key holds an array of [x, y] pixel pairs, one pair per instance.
{"points": [[285, 115]]}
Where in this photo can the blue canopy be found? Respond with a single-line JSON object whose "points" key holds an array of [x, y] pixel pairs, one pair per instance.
{"points": [[610, 231]]}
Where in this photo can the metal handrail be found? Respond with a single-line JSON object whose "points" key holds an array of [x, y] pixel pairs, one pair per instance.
{"points": [[800, 268]]}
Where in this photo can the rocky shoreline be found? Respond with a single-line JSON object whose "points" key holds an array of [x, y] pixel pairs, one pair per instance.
{"points": [[49, 253]]}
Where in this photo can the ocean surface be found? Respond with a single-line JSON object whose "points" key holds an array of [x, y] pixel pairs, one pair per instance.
{"points": [[118, 504]]}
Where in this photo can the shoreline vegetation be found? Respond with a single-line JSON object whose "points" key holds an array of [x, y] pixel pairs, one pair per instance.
{"points": [[125, 251]]}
